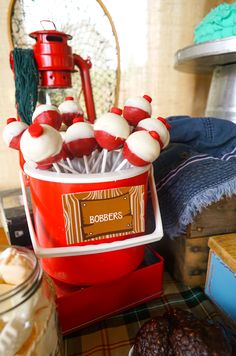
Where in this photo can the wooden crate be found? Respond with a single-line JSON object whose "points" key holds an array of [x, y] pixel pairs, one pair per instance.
{"points": [[186, 256]]}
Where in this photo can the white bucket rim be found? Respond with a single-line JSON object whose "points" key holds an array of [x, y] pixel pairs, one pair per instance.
{"points": [[70, 178]]}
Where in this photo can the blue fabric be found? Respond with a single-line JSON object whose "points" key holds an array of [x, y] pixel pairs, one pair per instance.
{"points": [[197, 168]]}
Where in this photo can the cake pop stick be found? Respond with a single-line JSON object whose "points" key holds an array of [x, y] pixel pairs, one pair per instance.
{"points": [[47, 114], [111, 131], [12, 133], [137, 108], [97, 162], [69, 110], [141, 148], [118, 157], [91, 160], [67, 168], [80, 140], [92, 157], [160, 125], [41, 146]]}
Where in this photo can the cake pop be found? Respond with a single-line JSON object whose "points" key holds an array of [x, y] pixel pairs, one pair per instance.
{"points": [[66, 154], [41, 146], [47, 114], [137, 108], [12, 133], [160, 125], [65, 151], [141, 148], [111, 130], [69, 110], [80, 140]]}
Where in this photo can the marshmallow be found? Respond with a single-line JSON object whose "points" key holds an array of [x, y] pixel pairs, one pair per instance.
{"points": [[14, 268], [27, 323], [14, 335]]}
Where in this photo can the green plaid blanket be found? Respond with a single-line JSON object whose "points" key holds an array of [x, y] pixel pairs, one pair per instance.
{"points": [[115, 336]]}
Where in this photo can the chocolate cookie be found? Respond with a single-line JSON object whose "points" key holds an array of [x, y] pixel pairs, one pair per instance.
{"points": [[180, 333], [191, 336], [152, 338], [199, 338]]}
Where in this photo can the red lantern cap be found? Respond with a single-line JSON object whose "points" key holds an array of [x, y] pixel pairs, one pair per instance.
{"points": [[148, 98], [11, 119], [116, 111], [69, 98], [35, 130], [78, 119], [167, 125]]}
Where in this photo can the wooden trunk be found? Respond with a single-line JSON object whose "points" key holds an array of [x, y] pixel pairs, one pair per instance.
{"points": [[186, 256]]}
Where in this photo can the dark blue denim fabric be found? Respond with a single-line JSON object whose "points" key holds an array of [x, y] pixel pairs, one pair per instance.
{"points": [[206, 134], [196, 169]]}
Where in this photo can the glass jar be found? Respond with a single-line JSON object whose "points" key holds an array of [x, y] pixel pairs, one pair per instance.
{"points": [[28, 319]]}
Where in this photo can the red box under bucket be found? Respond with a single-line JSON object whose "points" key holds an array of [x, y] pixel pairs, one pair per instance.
{"points": [[80, 307], [90, 227]]}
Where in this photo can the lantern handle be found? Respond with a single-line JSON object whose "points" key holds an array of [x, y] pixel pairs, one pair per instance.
{"points": [[51, 22]]}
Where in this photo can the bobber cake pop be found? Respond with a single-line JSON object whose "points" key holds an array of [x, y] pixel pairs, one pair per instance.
{"points": [[12, 133], [141, 148], [47, 114], [69, 110], [80, 140], [160, 125], [111, 130], [41, 146], [137, 108], [65, 151]]}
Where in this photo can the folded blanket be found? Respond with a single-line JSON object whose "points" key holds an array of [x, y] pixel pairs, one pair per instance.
{"points": [[197, 169]]}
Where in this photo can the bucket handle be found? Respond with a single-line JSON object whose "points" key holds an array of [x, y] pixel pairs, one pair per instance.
{"points": [[46, 252]]}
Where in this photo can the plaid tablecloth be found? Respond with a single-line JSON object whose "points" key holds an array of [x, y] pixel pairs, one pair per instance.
{"points": [[115, 335]]}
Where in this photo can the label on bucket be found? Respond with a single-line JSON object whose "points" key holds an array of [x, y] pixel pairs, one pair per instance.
{"points": [[103, 214]]}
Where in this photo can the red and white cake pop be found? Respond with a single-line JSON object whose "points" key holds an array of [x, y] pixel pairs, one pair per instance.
{"points": [[137, 108], [160, 125], [80, 140], [69, 110], [142, 147], [111, 130], [65, 151], [12, 133], [41, 146], [47, 114]]}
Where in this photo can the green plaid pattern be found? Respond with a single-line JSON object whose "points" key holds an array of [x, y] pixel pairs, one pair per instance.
{"points": [[115, 336]]}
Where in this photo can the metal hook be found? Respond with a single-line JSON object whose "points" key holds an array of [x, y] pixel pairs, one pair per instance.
{"points": [[51, 22]]}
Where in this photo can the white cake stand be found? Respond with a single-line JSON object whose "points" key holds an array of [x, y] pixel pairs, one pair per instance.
{"points": [[217, 57]]}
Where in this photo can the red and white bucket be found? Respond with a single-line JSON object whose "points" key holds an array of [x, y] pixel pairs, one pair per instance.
{"points": [[90, 228]]}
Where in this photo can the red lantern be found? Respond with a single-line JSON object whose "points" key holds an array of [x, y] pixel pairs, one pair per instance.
{"points": [[56, 62]]}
